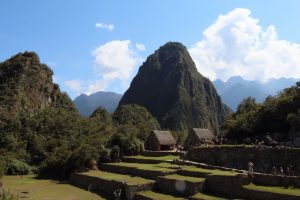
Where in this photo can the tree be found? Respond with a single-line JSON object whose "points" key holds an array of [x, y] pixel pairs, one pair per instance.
{"points": [[136, 116]]}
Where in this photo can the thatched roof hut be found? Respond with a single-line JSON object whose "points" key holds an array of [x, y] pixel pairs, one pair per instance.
{"points": [[160, 140], [198, 136]]}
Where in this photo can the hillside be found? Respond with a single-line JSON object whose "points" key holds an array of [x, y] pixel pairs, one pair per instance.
{"points": [[170, 87], [87, 104], [27, 85]]}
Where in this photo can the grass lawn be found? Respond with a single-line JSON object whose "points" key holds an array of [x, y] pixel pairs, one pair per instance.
{"points": [[184, 178], [281, 190], [165, 167], [168, 167], [206, 197], [209, 171], [130, 180], [158, 196], [37, 189], [162, 158]]}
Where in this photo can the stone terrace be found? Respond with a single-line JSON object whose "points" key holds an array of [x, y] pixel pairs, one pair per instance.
{"points": [[166, 177]]}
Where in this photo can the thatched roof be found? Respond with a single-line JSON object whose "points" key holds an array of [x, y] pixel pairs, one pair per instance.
{"points": [[202, 133], [164, 137]]}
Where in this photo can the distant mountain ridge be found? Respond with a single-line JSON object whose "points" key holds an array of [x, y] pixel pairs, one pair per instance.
{"points": [[87, 104], [170, 87], [235, 89]]}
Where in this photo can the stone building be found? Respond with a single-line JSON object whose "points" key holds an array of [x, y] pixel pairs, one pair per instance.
{"points": [[198, 136], [160, 141]]}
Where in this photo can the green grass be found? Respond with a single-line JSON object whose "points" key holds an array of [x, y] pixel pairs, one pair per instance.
{"points": [[130, 180], [165, 167], [280, 190], [184, 178], [158, 196], [37, 189], [209, 171], [162, 158], [168, 167], [206, 197]]}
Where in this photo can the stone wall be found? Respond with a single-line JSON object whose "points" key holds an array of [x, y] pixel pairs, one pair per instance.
{"points": [[179, 187], [264, 158], [107, 187]]}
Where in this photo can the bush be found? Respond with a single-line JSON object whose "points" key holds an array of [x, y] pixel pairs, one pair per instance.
{"points": [[82, 157], [128, 144], [13, 166], [115, 153], [132, 146]]}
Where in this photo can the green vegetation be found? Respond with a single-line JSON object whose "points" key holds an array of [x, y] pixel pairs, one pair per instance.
{"points": [[165, 167], [277, 114], [209, 171], [206, 197], [184, 178], [40, 126], [36, 189], [280, 190], [158, 196], [138, 118], [130, 180], [169, 86]]}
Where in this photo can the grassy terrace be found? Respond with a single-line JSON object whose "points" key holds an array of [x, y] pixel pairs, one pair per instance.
{"points": [[208, 171], [158, 196], [161, 158], [168, 167], [36, 189], [130, 180], [206, 197], [279, 190], [184, 178]]}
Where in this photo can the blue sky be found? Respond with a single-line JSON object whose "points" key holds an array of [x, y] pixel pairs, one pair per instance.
{"points": [[80, 39]]}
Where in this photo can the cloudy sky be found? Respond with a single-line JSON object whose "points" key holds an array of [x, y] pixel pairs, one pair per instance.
{"points": [[98, 45]]}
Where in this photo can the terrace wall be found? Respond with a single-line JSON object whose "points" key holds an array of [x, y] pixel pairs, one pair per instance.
{"points": [[264, 158]]}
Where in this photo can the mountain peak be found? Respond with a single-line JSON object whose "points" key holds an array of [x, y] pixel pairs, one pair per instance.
{"points": [[170, 87]]}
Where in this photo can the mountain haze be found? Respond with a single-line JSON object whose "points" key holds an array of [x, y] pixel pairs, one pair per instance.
{"points": [[170, 87], [235, 89], [87, 104]]}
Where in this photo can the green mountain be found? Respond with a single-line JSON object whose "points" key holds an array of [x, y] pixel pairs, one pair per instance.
{"points": [[170, 87], [26, 85]]}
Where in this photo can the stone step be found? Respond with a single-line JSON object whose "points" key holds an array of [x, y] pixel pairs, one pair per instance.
{"points": [[150, 195], [180, 185], [149, 171], [106, 183]]}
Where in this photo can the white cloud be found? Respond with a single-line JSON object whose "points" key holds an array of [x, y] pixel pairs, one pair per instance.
{"points": [[237, 45], [75, 85], [140, 47], [114, 65], [108, 27], [114, 60]]}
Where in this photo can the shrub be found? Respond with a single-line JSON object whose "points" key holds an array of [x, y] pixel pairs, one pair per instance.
{"points": [[115, 153], [13, 166]]}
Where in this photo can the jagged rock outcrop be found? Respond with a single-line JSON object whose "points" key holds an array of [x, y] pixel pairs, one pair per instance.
{"points": [[27, 85], [170, 87]]}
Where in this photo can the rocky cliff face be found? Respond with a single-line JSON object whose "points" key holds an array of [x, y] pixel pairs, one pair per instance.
{"points": [[170, 87], [26, 85]]}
